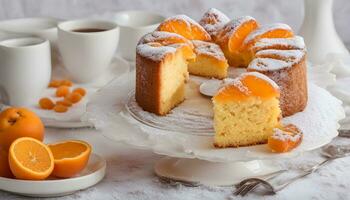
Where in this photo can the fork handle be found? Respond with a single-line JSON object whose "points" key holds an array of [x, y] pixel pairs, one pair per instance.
{"points": [[308, 172]]}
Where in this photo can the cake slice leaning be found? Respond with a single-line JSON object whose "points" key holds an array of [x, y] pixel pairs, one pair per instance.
{"points": [[246, 111]]}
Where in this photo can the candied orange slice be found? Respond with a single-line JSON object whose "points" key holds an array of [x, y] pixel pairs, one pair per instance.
{"points": [[185, 26], [285, 139], [276, 30], [251, 84], [81, 91], [70, 157], [62, 91], [30, 159], [232, 35], [73, 97]]}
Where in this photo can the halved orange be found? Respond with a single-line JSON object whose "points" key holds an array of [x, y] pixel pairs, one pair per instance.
{"points": [[70, 157], [30, 159], [185, 26]]}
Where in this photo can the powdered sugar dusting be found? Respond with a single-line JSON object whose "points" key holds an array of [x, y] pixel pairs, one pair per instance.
{"points": [[295, 42], [184, 18], [282, 135], [294, 56], [159, 35], [213, 20], [266, 28], [208, 48], [154, 52], [268, 64]]}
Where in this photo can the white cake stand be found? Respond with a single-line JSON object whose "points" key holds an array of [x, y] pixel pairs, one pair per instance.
{"points": [[191, 157]]}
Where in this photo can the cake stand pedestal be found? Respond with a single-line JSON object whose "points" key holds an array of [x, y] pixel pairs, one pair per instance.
{"points": [[195, 171]]}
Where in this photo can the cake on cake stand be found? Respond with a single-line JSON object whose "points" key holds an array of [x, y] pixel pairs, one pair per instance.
{"points": [[185, 136]]}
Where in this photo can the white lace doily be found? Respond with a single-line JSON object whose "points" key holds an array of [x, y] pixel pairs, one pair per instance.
{"points": [[106, 110]]}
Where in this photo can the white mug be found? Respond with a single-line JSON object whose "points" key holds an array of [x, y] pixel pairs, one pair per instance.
{"points": [[86, 55], [133, 25], [25, 70]]}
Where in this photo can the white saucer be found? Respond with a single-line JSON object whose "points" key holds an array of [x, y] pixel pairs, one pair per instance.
{"points": [[91, 175]]}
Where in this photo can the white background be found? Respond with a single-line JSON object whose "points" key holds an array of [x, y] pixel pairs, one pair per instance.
{"points": [[266, 11]]}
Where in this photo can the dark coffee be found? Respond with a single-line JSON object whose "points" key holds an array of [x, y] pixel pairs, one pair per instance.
{"points": [[88, 30]]}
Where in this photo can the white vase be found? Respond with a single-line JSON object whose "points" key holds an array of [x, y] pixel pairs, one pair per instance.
{"points": [[319, 31]]}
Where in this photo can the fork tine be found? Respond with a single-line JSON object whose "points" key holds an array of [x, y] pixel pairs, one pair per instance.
{"points": [[241, 188], [251, 187]]}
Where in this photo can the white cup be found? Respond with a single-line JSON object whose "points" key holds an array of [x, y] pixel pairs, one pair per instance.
{"points": [[25, 70], [86, 55], [133, 25]]}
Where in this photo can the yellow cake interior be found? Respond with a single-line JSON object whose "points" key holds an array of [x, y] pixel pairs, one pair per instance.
{"points": [[246, 112]]}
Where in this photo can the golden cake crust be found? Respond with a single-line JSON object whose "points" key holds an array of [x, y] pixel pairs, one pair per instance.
{"points": [[292, 81]]}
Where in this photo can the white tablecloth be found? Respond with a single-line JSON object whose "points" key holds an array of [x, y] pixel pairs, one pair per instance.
{"points": [[130, 175]]}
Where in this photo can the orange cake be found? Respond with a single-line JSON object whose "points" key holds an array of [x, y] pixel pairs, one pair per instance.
{"points": [[212, 21], [288, 69], [185, 26], [210, 60], [270, 49], [231, 36], [246, 111]]}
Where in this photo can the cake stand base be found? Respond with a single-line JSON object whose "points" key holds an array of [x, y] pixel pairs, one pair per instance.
{"points": [[195, 171]]}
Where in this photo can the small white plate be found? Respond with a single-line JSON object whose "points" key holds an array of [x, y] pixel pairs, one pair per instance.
{"points": [[91, 175]]}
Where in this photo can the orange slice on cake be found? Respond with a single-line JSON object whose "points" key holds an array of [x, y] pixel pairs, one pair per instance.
{"points": [[30, 159], [277, 30], [70, 157], [185, 26], [231, 36]]}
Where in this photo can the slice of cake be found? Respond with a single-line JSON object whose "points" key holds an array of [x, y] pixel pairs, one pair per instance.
{"points": [[161, 73], [210, 60], [246, 111]]}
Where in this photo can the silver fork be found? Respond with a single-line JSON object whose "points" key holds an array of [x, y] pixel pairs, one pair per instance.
{"points": [[330, 152], [249, 184]]}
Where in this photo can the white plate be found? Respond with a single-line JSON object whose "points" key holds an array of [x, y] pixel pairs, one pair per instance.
{"points": [[107, 112], [72, 118], [91, 175]]}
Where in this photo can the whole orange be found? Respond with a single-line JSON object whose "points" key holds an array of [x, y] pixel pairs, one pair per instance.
{"points": [[5, 170], [19, 122]]}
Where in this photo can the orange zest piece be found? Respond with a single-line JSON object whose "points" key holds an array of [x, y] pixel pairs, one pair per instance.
{"points": [[70, 157], [62, 91], [73, 97], [30, 159], [81, 91], [285, 139], [59, 108], [64, 102], [46, 103], [185, 26]]}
